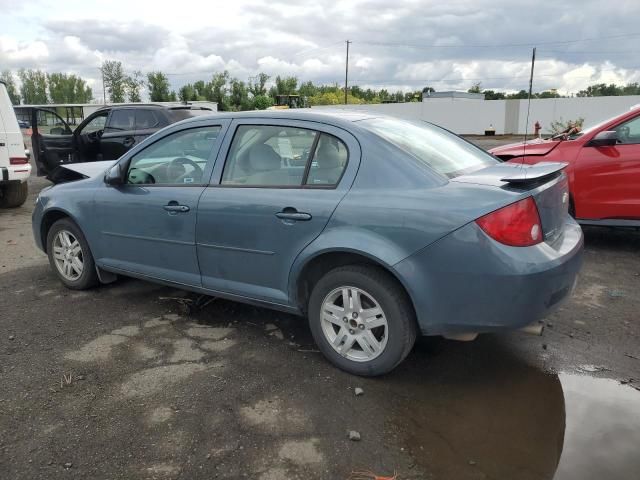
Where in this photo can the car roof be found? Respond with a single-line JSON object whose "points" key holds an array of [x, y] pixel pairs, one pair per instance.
{"points": [[335, 116], [172, 106]]}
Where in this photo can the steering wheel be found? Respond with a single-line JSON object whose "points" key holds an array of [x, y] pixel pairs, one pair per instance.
{"points": [[176, 169], [94, 136]]}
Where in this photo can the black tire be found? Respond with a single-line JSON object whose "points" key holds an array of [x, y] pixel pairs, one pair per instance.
{"points": [[14, 194], [89, 277], [390, 296]]}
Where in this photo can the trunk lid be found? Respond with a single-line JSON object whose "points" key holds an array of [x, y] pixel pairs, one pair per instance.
{"points": [[544, 181]]}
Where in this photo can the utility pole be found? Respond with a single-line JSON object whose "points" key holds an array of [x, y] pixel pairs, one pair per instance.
{"points": [[104, 91], [346, 74]]}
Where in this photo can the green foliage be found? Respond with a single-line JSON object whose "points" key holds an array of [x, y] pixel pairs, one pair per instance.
{"points": [[158, 86], [65, 88], [262, 102], [34, 87], [7, 77], [602, 90], [257, 86], [115, 80], [133, 83], [476, 88]]}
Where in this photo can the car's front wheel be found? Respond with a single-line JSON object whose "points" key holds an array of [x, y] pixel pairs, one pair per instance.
{"points": [[362, 320], [70, 257]]}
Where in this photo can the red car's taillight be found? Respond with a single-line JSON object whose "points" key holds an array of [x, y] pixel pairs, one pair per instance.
{"points": [[517, 225], [18, 160]]}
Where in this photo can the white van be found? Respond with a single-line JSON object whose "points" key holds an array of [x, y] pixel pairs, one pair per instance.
{"points": [[14, 163]]}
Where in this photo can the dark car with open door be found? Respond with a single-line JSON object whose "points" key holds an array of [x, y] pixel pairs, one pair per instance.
{"points": [[106, 134]]}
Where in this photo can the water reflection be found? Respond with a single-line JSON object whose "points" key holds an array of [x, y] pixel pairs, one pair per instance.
{"points": [[478, 411]]}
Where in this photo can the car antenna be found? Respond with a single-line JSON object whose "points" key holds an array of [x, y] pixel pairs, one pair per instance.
{"points": [[526, 125]]}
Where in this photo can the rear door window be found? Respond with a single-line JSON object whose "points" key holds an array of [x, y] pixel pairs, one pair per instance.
{"points": [[266, 155], [146, 119], [121, 120]]}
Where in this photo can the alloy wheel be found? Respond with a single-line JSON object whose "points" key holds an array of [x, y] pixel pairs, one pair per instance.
{"points": [[67, 255], [354, 324]]}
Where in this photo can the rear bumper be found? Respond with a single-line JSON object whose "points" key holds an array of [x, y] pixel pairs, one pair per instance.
{"points": [[469, 283], [15, 173]]}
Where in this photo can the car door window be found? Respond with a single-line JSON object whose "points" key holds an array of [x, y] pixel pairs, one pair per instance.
{"points": [[146, 119], [50, 123], [629, 131], [266, 155], [95, 124], [328, 162], [121, 120], [177, 159]]}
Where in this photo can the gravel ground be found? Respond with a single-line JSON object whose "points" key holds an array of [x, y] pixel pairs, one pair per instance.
{"points": [[135, 380]]}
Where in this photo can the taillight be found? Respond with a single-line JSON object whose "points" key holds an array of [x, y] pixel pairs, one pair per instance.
{"points": [[517, 225], [18, 160]]}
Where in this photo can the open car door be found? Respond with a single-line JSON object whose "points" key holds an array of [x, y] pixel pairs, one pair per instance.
{"points": [[51, 140]]}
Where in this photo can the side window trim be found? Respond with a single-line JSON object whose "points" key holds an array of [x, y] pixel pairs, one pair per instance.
{"points": [[312, 154]]}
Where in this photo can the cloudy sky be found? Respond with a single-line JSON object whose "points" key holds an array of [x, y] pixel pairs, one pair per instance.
{"points": [[397, 44]]}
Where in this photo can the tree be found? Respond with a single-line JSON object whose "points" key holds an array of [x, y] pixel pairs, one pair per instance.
{"points": [[216, 90], [34, 87], [115, 80], [239, 95], [7, 77], [65, 88], [492, 95], [133, 83], [476, 88], [285, 86], [262, 102], [257, 87], [158, 86], [308, 89]]}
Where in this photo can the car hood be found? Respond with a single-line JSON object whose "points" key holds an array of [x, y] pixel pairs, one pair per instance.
{"points": [[534, 147], [77, 171]]}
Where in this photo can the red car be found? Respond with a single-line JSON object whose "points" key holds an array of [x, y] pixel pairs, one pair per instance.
{"points": [[603, 170]]}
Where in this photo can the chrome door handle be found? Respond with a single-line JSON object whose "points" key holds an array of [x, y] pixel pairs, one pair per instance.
{"points": [[293, 215], [176, 208]]}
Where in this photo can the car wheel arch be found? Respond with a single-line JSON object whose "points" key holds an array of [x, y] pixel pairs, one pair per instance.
{"points": [[48, 219], [318, 265]]}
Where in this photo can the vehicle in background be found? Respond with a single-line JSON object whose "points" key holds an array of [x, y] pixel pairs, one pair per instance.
{"points": [[23, 124], [379, 230], [14, 161], [284, 102], [603, 168], [106, 134]]}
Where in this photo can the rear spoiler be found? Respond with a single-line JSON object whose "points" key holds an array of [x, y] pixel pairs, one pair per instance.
{"points": [[539, 172]]}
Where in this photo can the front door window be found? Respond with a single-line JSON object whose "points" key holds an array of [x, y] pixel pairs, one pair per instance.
{"points": [[178, 159]]}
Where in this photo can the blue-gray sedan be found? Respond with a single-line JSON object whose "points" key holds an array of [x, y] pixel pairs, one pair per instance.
{"points": [[377, 229]]}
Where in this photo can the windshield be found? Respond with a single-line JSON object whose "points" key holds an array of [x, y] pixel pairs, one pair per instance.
{"points": [[589, 130], [441, 150]]}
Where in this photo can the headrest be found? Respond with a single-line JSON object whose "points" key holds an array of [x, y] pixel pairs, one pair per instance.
{"points": [[327, 156], [262, 158]]}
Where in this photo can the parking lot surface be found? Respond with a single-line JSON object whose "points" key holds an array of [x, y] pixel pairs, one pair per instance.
{"points": [[135, 380]]}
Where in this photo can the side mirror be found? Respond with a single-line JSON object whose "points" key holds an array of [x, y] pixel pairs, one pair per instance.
{"points": [[114, 175], [606, 138]]}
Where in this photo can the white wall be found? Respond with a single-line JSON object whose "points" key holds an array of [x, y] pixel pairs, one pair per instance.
{"points": [[469, 116]]}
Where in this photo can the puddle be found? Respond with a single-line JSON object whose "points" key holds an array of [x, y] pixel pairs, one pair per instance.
{"points": [[483, 413], [602, 435]]}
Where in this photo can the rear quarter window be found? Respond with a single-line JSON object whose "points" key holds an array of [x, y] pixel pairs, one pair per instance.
{"points": [[433, 146]]}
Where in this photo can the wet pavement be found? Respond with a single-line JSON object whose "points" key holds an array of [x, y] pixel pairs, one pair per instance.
{"points": [[135, 380]]}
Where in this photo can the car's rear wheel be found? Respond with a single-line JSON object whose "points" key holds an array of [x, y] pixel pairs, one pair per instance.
{"points": [[13, 194], [362, 320], [70, 257]]}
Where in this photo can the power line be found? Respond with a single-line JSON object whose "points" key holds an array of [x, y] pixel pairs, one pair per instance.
{"points": [[503, 45]]}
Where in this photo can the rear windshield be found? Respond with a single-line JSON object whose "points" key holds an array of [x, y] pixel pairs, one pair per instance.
{"points": [[182, 113], [441, 150]]}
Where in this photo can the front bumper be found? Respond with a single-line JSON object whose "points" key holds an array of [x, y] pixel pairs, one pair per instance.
{"points": [[468, 283], [15, 173]]}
